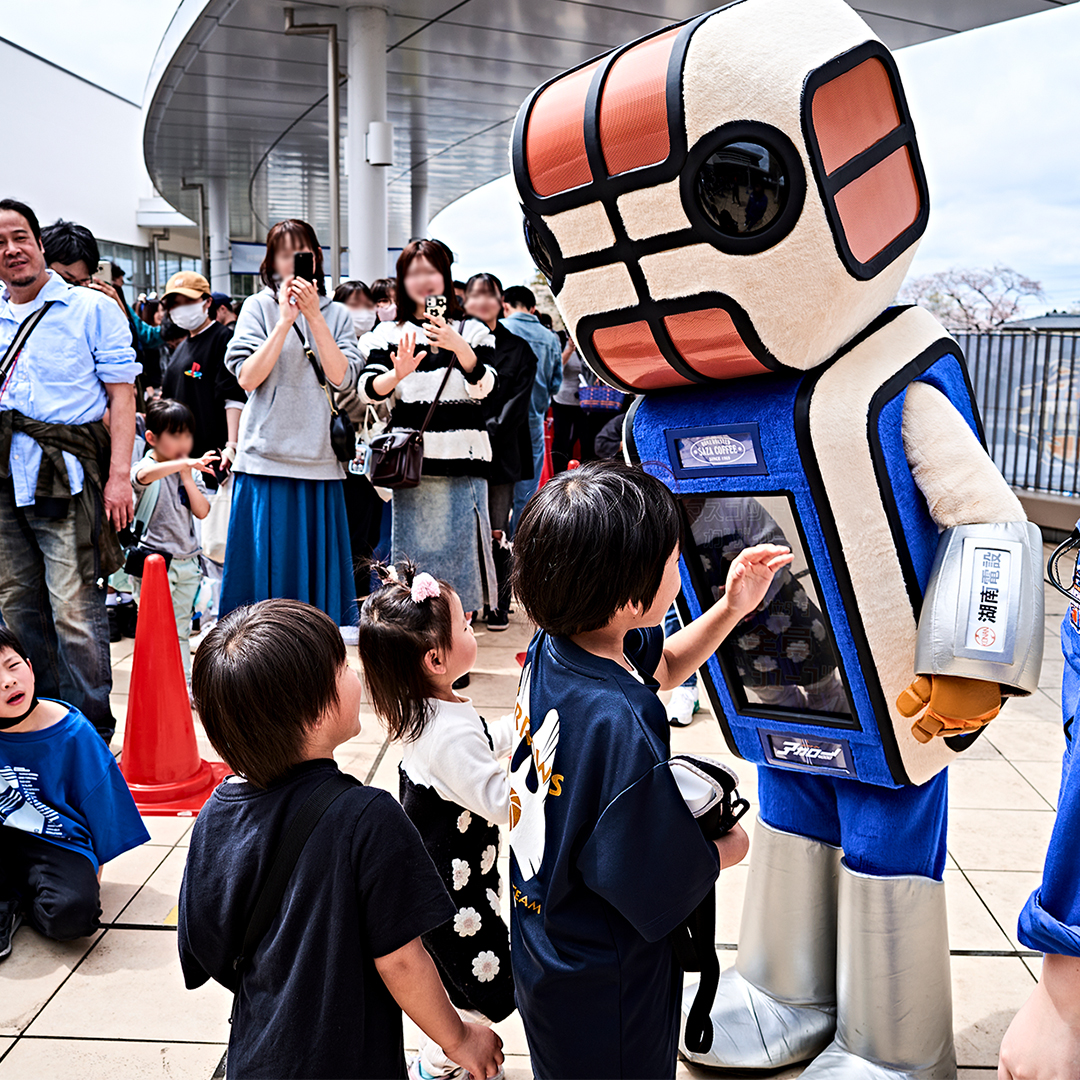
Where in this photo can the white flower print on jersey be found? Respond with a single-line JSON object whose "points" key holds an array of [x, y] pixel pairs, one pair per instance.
{"points": [[493, 900], [464, 821], [467, 922], [461, 870], [487, 860], [486, 966]]}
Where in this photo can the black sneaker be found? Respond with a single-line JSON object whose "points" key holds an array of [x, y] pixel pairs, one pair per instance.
{"points": [[115, 633], [462, 682], [11, 918], [498, 620]]}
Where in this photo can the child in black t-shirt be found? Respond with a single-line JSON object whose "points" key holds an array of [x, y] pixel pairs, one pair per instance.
{"points": [[321, 994], [606, 858]]}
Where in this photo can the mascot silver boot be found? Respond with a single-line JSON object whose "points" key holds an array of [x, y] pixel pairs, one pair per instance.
{"points": [[725, 210]]}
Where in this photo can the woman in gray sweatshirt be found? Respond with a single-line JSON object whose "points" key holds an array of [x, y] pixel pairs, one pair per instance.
{"points": [[288, 530]]}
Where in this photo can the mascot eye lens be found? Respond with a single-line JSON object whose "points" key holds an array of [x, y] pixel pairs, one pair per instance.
{"points": [[742, 187]]}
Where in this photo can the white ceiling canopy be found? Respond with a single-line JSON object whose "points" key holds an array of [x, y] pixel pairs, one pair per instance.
{"points": [[231, 95]]}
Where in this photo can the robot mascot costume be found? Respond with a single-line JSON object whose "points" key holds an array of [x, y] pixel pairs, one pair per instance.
{"points": [[725, 209]]}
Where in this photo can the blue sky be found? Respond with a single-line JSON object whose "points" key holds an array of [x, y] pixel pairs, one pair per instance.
{"points": [[996, 112]]}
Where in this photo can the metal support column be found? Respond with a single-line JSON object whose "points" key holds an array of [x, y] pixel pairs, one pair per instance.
{"points": [[217, 194], [367, 105], [333, 116]]}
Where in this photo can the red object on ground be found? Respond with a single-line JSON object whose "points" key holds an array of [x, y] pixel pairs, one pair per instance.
{"points": [[161, 761], [520, 658]]}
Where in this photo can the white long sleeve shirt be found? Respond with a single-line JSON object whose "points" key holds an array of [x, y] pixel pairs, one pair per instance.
{"points": [[453, 756]]}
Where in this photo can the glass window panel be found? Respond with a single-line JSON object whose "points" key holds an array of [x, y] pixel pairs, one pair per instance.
{"points": [[782, 656]]}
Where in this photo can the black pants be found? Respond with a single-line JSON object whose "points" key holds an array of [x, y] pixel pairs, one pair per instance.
{"points": [[364, 510], [574, 424], [58, 888]]}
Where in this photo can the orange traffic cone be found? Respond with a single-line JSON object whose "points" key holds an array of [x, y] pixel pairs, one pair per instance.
{"points": [[161, 760]]}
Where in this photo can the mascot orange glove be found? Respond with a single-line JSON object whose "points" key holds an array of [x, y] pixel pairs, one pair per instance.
{"points": [[954, 706]]}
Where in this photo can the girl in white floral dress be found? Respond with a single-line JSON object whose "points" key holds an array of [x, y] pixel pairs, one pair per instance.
{"points": [[414, 643]]}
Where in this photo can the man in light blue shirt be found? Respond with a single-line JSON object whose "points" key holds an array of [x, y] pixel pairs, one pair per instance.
{"points": [[519, 303], [77, 363]]}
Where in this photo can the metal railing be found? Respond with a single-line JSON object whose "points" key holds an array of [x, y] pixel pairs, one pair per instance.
{"points": [[1027, 386]]}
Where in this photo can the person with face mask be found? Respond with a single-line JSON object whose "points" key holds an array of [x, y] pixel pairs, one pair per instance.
{"points": [[195, 374]]}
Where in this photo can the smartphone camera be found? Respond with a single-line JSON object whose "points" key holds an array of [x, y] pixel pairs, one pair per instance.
{"points": [[304, 266]]}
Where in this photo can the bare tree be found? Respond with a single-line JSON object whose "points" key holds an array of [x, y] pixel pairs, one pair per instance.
{"points": [[972, 299]]}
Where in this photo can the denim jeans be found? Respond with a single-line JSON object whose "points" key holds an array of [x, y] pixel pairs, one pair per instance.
{"points": [[524, 490], [62, 622]]}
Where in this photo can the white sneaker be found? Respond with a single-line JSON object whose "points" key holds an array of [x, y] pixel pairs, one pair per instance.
{"points": [[682, 706]]}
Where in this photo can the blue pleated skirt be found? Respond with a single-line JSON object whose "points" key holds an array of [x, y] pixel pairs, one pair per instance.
{"points": [[289, 539]]}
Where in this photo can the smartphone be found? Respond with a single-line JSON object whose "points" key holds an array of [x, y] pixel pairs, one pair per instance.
{"points": [[303, 263], [103, 272], [435, 305]]}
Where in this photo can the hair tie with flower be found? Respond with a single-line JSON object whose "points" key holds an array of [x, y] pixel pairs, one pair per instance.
{"points": [[424, 587]]}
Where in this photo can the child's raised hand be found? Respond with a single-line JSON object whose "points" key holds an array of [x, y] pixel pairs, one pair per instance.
{"points": [[479, 1053], [751, 574], [205, 464]]}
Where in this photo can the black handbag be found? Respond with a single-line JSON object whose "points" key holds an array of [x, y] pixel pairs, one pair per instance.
{"points": [[397, 457], [342, 432]]}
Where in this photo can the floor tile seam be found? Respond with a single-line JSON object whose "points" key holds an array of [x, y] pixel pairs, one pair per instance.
{"points": [[997, 923], [131, 899]]}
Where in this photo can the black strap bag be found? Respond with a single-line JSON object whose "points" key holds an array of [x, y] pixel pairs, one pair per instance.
{"points": [[342, 432], [397, 457]]}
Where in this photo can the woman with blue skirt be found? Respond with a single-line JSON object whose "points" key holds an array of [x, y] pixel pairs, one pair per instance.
{"points": [[288, 530]]}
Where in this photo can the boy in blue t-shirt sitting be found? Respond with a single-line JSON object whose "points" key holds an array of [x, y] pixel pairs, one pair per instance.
{"points": [[606, 858], [64, 809]]}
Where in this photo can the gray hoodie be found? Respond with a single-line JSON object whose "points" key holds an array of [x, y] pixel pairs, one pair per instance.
{"points": [[285, 425]]}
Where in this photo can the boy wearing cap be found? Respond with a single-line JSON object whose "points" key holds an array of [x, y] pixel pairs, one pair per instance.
{"points": [[196, 375]]}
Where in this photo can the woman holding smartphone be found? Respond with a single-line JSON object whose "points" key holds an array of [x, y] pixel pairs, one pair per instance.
{"points": [[288, 530], [443, 524]]}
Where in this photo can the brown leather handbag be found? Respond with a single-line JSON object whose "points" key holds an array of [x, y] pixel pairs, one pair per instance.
{"points": [[397, 457]]}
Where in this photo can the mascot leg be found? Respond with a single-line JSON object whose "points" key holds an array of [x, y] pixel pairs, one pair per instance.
{"points": [[894, 997], [894, 1003], [777, 1005]]}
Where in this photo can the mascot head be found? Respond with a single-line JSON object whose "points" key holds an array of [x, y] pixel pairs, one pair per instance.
{"points": [[736, 194]]}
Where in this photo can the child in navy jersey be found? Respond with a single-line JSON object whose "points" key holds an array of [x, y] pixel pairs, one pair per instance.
{"points": [[606, 859]]}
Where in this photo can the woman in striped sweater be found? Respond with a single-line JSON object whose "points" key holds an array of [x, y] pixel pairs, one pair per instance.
{"points": [[443, 524]]}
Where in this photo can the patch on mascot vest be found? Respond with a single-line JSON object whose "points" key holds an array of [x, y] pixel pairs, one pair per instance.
{"points": [[800, 752], [719, 450]]}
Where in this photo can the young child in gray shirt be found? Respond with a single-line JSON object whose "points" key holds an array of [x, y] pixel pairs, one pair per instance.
{"points": [[180, 498]]}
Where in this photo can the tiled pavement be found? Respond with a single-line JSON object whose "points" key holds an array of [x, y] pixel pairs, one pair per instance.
{"points": [[114, 1005]]}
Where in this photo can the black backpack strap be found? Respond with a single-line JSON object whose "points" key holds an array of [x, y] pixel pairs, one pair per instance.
{"points": [[284, 861], [26, 328], [697, 938]]}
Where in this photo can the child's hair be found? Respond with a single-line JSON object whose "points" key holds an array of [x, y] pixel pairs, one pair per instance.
{"points": [[383, 288], [168, 416], [10, 640], [590, 541], [261, 678], [395, 634]]}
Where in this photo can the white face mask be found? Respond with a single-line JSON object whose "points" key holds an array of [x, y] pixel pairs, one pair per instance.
{"points": [[363, 319], [387, 313], [189, 316]]}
